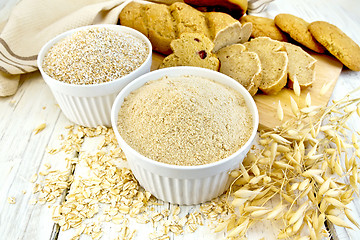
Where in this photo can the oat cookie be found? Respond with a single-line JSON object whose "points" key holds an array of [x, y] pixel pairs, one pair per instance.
{"points": [[297, 28], [337, 43], [264, 27]]}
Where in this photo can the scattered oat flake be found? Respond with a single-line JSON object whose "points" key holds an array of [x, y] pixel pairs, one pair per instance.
{"points": [[33, 178], [47, 166], [280, 112], [11, 200], [39, 128]]}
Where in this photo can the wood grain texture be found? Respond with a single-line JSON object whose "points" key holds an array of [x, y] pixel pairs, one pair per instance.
{"points": [[22, 153]]}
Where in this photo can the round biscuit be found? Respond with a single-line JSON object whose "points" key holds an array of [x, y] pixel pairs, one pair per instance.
{"points": [[337, 43], [264, 27], [298, 30]]}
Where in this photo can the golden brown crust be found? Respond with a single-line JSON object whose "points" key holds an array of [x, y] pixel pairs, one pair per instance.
{"points": [[132, 16], [337, 43], [188, 19], [264, 27], [162, 23], [161, 34], [297, 28]]}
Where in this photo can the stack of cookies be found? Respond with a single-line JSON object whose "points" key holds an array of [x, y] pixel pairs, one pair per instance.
{"points": [[318, 36]]}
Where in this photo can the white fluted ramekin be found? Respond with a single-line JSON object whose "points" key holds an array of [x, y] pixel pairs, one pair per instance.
{"points": [[90, 105], [183, 184]]}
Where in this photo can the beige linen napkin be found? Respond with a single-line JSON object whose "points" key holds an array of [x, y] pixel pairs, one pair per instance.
{"points": [[33, 22]]}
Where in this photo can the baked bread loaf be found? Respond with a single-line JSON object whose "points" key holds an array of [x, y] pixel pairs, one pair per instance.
{"points": [[301, 66], [188, 19], [232, 34], [162, 24], [226, 30], [264, 27], [274, 63], [244, 67], [217, 21], [337, 43], [133, 16], [298, 30], [192, 49], [162, 33]]}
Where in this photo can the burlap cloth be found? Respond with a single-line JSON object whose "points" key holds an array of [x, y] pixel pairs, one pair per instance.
{"points": [[34, 22]]}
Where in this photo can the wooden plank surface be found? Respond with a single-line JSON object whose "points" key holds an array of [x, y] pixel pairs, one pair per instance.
{"points": [[112, 230], [23, 153]]}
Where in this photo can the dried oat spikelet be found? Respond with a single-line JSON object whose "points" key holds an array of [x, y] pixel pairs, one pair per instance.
{"points": [[308, 100], [351, 218], [294, 107], [276, 211], [280, 112], [296, 87], [338, 221], [247, 194], [325, 88], [260, 213], [221, 226], [295, 159], [240, 229]]}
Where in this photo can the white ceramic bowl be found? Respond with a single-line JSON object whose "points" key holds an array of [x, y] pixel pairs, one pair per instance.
{"points": [[183, 184], [90, 105]]}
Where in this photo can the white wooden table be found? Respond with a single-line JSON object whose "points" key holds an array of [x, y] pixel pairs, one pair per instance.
{"points": [[23, 153]]}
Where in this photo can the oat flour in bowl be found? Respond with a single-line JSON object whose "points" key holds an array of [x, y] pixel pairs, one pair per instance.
{"points": [[185, 120]]}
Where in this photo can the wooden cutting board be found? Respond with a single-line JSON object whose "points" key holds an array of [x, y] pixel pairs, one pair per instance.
{"points": [[327, 70]]}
